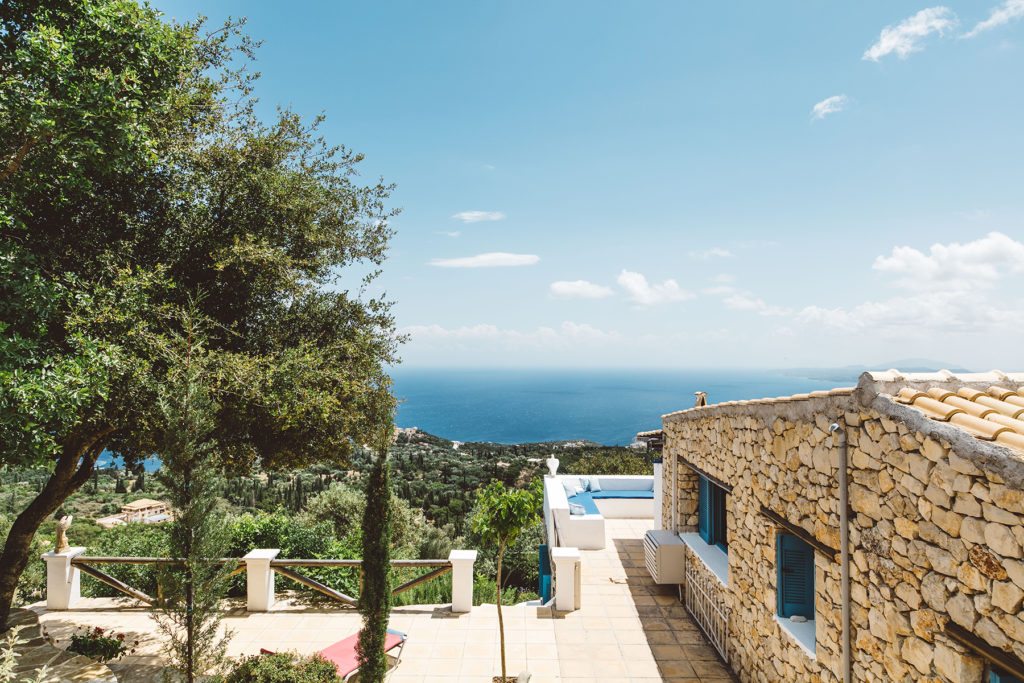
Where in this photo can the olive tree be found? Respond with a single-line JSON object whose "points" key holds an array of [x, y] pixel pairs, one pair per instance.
{"points": [[135, 178]]}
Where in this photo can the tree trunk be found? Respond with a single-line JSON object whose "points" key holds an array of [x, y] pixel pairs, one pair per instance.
{"points": [[501, 622], [74, 467]]}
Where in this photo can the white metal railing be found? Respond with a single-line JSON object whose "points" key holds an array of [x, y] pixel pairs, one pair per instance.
{"points": [[706, 604]]}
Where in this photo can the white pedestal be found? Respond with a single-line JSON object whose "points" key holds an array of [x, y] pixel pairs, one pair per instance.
{"points": [[63, 580], [659, 491], [567, 577], [259, 579], [462, 579]]}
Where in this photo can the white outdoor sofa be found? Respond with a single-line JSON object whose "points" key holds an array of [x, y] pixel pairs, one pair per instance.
{"points": [[620, 497]]}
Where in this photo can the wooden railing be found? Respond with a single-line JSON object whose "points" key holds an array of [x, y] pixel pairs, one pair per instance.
{"points": [[284, 567]]}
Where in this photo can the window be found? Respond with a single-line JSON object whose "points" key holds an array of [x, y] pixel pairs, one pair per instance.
{"points": [[711, 515], [997, 675], [795, 562]]}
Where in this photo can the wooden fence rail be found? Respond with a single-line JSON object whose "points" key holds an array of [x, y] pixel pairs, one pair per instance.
{"points": [[284, 567]]}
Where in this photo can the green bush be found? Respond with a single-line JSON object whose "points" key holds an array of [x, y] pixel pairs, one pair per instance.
{"points": [[610, 462], [284, 667], [129, 540], [296, 538]]}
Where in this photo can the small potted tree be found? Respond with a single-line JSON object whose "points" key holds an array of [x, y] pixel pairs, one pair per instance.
{"points": [[502, 514]]}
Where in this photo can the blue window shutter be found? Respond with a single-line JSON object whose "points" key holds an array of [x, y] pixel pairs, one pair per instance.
{"points": [[998, 676], [719, 531], [704, 509], [795, 562]]}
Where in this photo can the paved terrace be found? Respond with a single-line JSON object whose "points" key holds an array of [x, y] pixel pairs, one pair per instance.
{"points": [[629, 629]]}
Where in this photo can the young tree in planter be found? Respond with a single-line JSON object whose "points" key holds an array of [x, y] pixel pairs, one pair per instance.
{"points": [[501, 515], [190, 596], [375, 597], [134, 177]]}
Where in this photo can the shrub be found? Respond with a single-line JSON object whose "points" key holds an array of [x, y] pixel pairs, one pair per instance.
{"points": [[129, 540], [610, 462], [98, 644], [284, 667]]}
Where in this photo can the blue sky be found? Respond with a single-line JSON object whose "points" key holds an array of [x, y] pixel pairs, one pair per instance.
{"points": [[678, 183]]}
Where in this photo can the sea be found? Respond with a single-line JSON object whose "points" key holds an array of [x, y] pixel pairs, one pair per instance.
{"points": [[535, 405], [605, 406]]}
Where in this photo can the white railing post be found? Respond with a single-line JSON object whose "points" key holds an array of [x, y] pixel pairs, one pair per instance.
{"points": [[462, 579], [63, 580], [259, 579], [567, 578]]}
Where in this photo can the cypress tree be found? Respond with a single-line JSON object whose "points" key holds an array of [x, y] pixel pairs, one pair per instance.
{"points": [[375, 598], [191, 592]]}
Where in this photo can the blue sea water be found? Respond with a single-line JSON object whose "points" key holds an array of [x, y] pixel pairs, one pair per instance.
{"points": [[606, 406]]}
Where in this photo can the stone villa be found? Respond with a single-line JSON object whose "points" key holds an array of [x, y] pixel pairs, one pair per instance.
{"points": [[931, 585], [145, 510]]}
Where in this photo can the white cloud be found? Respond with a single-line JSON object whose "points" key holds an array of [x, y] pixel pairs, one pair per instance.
{"points": [[495, 259], [645, 294], [724, 278], [954, 266], [905, 37], [478, 216], [450, 233], [712, 253], [745, 302], [945, 290], [1009, 10], [566, 335], [579, 289], [922, 314], [829, 105]]}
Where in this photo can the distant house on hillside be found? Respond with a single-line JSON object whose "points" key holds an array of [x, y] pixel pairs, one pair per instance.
{"points": [[932, 583], [143, 510]]}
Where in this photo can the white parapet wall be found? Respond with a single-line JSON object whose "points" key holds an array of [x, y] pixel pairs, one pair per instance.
{"points": [[586, 531]]}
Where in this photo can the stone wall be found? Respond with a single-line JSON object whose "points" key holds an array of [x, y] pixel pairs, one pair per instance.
{"points": [[935, 529]]}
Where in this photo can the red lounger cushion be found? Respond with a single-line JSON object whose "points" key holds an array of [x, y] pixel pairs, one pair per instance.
{"points": [[343, 653]]}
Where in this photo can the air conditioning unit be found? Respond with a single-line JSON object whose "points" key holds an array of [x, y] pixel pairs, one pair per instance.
{"points": [[663, 555]]}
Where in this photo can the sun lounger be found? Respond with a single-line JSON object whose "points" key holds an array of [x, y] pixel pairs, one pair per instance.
{"points": [[343, 653]]}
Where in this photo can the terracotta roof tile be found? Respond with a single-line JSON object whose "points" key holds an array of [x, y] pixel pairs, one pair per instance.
{"points": [[995, 414]]}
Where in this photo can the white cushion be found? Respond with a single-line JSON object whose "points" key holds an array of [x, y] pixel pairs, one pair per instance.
{"points": [[595, 484], [572, 487], [577, 509]]}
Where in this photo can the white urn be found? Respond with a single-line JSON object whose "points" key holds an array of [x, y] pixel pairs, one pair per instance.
{"points": [[552, 463]]}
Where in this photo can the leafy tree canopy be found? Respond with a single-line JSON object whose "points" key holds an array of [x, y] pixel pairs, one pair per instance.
{"points": [[135, 180]]}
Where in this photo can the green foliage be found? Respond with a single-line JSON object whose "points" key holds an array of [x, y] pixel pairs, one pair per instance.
{"points": [[520, 561], [485, 592], [100, 645], [412, 535], [9, 659], [295, 537], [189, 605], [502, 513], [137, 179], [284, 667], [129, 540], [375, 599], [501, 516], [620, 462]]}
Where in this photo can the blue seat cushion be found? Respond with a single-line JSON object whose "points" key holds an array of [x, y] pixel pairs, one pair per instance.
{"points": [[586, 499], [598, 495]]}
